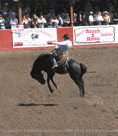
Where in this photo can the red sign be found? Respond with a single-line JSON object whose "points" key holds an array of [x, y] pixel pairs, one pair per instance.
{"points": [[18, 44]]}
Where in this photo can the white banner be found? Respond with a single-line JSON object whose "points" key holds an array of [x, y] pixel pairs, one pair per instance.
{"points": [[94, 35], [40, 37]]}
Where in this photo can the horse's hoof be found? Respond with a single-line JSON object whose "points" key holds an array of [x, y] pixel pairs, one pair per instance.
{"points": [[51, 90], [82, 95]]}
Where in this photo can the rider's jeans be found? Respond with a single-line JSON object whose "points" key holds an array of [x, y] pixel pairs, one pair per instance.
{"points": [[53, 59]]}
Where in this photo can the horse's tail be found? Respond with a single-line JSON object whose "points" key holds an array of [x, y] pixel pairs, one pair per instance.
{"points": [[83, 68]]}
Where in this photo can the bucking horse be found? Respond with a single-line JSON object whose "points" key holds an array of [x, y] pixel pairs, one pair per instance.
{"points": [[69, 65]]}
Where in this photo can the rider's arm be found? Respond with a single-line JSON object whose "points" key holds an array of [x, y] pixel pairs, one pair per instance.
{"points": [[60, 43], [64, 43]]}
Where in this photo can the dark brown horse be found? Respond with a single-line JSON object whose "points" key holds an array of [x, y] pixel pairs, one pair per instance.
{"points": [[44, 63]]}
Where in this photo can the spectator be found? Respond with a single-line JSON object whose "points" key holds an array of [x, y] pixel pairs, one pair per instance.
{"points": [[111, 16], [106, 18], [99, 18], [7, 20], [66, 20], [80, 18], [56, 22], [60, 21], [54, 8], [96, 14], [115, 18], [2, 21], [34, 21], [45, 16], [13, 20], [26, 21], [41, 22], [90, 18], [85, 19], [51, 18], [50, 23], [74, 19]]}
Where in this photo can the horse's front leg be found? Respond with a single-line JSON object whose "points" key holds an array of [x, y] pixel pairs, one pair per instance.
{"points": [[48, 82], [50, 77], [54, 83]]}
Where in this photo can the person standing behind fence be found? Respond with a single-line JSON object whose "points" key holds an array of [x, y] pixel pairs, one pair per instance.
{"points": [[90, 18], [26, 21], [84, 19], [74, 19], [79, 18], [111, 15], [41, 22], [66, 20], [115, 18], [99, 18], [55, 22], [2, 21], [60, 21], [7, 20], [50, 23], [13, 20], [34, 21], [106, 18]]}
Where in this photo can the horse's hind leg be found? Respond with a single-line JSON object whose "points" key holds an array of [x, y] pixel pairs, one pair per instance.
{"points": [[82, 91], [81, 87], [80, 84]]}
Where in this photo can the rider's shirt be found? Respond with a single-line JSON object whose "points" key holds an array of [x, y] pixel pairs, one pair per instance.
{"points": [[65, 45]]}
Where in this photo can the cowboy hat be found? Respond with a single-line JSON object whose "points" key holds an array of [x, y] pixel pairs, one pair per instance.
{"points": [[90, 12], [105, 12], [66, 36]]}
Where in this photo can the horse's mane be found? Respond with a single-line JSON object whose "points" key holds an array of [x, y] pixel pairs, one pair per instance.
{"points": [[42, 56]]}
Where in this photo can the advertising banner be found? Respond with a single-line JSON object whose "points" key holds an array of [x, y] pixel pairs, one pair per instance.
{"points": [[40, 37], [94, 35]]}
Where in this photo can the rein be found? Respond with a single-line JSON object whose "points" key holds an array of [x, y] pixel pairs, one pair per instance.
{"points": [[62, 60]]}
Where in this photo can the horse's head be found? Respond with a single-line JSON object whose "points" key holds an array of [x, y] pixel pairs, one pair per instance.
{"points": [[40, 64], [39, 77], [36, 70]]}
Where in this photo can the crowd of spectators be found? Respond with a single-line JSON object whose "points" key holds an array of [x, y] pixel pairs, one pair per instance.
{"points": [[54, 13]]}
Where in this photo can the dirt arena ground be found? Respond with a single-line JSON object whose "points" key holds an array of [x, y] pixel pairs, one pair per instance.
{"points": [[28, 109]]}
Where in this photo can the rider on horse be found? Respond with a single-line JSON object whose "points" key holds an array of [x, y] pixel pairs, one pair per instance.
{"points": [[60, 49]]}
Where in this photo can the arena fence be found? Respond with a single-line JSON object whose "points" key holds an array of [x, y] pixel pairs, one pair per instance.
{"points": [[19, 38]]}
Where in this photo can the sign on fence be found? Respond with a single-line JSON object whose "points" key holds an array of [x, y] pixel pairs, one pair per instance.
{"points": [[94, 35], [40, 37]]}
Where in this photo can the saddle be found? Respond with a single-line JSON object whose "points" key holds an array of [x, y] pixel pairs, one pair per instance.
{"points": [[59, 55], [61, 58]]}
